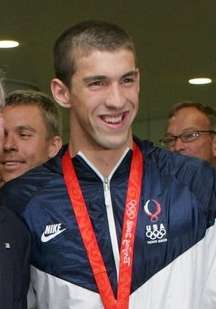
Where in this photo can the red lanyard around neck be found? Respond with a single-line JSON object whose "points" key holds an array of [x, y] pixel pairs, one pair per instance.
{"points": [[128, 232]]}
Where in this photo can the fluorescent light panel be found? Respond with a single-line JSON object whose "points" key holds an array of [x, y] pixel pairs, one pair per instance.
{"points": [[8, 44], [200, 81]]}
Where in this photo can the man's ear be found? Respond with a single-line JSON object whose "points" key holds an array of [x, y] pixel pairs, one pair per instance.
{"points": [[214, 146], [55, 144], [60, 93], [138, 79]]}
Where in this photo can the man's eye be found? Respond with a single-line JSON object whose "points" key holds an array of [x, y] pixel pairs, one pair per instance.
{"points": [[128, 80], [169, 140], [189, 135], [25, 135], [96, 83]]}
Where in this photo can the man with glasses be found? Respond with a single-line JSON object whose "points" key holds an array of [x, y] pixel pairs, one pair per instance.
{"points": [[191, 131]]}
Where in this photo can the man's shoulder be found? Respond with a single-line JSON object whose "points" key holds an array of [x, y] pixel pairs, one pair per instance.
{"points": [[17, 193], [12, 226], [175, 164], [193, 174]]}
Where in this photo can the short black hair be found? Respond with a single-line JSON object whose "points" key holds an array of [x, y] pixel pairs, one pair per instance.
{"points": [[83, 38], [47, 106]]}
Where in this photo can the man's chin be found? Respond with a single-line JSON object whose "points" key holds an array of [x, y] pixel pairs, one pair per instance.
{"points": [[114, 144], [11, 176], [109, 142]]}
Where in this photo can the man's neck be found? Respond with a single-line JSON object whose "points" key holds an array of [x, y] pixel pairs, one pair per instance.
{"points": [[103, 159], [214, 162], [2, 182]]}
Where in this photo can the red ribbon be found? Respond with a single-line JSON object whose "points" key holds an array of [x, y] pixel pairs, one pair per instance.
{"points": [[128, 232]]}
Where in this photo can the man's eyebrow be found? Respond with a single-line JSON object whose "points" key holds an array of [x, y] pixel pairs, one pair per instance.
{"points": [[25, 128], [89, 79], [186, 130], [130, 73]]}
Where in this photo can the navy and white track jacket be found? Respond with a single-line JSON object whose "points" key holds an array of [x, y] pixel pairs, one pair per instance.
{"points": [[174, 256]]}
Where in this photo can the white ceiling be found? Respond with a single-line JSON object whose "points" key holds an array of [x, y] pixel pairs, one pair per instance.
{"points": [[175, 39]]}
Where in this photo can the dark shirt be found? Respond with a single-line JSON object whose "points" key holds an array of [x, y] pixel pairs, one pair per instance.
{"points": [[14, 261]]}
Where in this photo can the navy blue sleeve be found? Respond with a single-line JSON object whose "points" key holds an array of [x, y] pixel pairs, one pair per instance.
{"points": [[198, 175]]}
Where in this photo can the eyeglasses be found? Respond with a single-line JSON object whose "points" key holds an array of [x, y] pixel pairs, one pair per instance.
{"points": [[185, 137]]}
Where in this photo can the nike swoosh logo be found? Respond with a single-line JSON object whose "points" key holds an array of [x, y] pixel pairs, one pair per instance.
{"points": [[45, 238]]}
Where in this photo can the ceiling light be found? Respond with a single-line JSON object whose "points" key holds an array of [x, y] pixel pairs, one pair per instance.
{"points": [[8, 44], [200, 81]]}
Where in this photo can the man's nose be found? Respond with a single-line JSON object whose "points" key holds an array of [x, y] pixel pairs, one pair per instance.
{"points": [[10, 143], [115, 97]]}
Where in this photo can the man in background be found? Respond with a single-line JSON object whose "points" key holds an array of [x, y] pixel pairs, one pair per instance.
{"points": [[191, 131], [32, 132], [14, 250]]}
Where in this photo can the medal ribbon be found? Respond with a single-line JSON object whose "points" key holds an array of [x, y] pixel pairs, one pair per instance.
{"points": [[128, 233]]}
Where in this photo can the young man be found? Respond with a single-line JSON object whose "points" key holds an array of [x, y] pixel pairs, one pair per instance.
{"points": [[191, 130], [32, 132], [115, 222], [14, 250]]}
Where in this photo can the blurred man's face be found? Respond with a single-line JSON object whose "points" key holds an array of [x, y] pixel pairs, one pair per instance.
{"points": [[1, 131], [188, 120], [1, 144], [25, 141]]}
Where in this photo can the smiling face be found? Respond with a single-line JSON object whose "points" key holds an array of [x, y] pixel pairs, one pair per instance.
{"points": [[25, 143], [189, 119], [103, 98]]}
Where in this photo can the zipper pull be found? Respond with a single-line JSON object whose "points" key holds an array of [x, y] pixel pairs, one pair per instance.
{"points": [[106, 183]]}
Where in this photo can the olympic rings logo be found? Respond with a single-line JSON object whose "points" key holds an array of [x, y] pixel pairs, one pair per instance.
{"points": [[154, 216], [131, 209], [154, 232]]}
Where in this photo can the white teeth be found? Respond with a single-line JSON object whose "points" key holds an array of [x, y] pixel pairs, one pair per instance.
{"points": [[12, 162], [112, 119]]}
